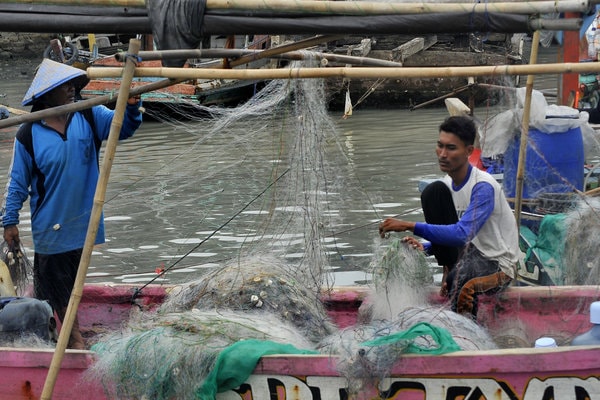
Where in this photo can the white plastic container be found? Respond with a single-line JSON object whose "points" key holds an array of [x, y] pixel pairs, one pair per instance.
{"points": [[545, 342], [592, 336]]}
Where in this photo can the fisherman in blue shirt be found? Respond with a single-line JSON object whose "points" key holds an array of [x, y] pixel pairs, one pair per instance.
{"points": [[55, 163], [470, 225]]}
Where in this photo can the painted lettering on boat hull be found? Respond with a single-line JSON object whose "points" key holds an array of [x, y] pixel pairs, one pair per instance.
{"points": [[285, 387]]}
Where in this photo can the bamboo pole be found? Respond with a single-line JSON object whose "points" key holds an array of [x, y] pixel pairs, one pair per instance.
{"points": [[525, 131], [373, 8], [592, 192], [243, 56], [82, 105], [300, 44], [352, 7], [363, 72], [76, 294], [442, 97], [236, 53]]}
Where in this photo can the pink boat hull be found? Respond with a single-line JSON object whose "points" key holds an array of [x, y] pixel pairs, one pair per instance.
{"points": [[522, 373]]}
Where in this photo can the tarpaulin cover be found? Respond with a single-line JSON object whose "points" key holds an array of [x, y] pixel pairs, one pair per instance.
{"points": [[189, 17], [236, 362], [443, 339]]}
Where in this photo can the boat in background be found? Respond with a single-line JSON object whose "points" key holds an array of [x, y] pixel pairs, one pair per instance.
{"points": [[445, 50], [185, 96], [442, 50], [515, 319], [83, 50]]}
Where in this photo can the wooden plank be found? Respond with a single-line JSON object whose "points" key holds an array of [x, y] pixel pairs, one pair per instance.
{"points": [[361, 50], [407, 49]]}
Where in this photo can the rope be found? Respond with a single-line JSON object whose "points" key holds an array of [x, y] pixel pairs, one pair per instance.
{"points": [[164, 271]]}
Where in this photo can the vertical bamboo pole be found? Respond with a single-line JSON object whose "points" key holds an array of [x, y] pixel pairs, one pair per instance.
{"points": [[115, 128], [525, 131]]}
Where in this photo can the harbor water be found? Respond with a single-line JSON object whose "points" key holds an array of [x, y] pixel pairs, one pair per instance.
{"points": [[175, 203]]}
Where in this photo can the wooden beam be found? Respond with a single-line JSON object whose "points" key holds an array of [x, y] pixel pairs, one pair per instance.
{"points": [[353, 7], [363, 72], [413, 46]]}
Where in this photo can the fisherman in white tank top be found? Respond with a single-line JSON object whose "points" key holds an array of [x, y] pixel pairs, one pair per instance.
{"points": [[470, 227]]}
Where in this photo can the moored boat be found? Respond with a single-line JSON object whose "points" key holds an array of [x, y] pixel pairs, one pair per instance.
{"points": [[190, 93], [516, 319], [427, 51]]}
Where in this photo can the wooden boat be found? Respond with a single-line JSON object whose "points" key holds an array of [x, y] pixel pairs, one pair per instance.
{"points": [[516, 319], [185, 95], [83, 50], [426, 51], [405, 50]]}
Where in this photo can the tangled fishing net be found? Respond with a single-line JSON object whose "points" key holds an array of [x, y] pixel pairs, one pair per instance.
{"points": [[293, 217], [256, 305], [396, 319], [261, 285], [580, 258], [19, 266], [367, 352], [402, 277], [176, 355], [267, 297]]}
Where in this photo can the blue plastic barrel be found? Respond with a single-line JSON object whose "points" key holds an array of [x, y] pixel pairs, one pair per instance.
{"points": [[554, 163]]}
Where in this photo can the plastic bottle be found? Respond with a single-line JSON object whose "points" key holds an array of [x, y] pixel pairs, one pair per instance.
{"points": [[590, 35], [597, 41], [545, 342], [593, 335]]}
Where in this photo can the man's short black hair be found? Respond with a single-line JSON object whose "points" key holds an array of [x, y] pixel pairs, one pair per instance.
{"points": [[461, 126]]}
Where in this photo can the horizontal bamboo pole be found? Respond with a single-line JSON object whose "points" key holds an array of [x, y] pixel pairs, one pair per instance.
{"points": [[82, 105], [353, 7], [348, 72], [253, 55], [372, 8], [297, 45], [290, 55]]}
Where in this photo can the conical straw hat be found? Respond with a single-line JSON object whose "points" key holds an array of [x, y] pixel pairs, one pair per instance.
{"points": [[50, 75]]}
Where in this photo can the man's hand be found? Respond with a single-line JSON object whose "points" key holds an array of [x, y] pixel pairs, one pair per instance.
{"points": [[413, 242], [395, 225], [11, 236]]}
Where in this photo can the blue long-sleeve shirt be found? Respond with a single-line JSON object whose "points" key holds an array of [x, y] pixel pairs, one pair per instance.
{"points": [[62, 188], [477, 213]]}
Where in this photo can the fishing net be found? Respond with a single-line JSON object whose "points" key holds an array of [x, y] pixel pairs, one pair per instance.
{"points": [[562, 244], [423, 330], [580, 257], [396, 319], [171, 355], [285, 203], [26, 341], [19, 266], [261, 285], [402, 277], [271, 291]]}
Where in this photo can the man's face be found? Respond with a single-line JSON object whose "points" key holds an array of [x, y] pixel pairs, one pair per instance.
{"points": [[451, 152], [63, 94]]}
